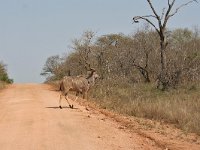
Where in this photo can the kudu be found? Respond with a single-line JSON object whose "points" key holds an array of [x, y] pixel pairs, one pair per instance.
{"points": [[79, 84]]}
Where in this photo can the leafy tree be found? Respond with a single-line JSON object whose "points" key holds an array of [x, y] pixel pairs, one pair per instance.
{"points": [[3, 74], [52, 68]]}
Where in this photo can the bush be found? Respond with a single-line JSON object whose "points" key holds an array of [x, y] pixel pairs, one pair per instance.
{"points": [[4, 75]]}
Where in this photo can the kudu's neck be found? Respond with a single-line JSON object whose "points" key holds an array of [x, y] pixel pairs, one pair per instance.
{"points": [[91, 79]]}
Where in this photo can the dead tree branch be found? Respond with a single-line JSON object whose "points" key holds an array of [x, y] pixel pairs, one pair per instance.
{"points": [[160, 29]]}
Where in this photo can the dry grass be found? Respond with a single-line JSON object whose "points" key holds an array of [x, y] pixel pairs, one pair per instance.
{"points": [[180, 107], [2, 85]]}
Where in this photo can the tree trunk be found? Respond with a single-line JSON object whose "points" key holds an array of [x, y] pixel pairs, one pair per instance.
{"points": [[144, 72], [163, 82]]}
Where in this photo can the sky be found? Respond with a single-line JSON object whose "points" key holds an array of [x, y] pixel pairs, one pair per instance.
{"points": [[33, 30]]}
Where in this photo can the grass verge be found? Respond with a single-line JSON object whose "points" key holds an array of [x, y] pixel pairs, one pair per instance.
{"points": [[2, 85], [178, 106]]}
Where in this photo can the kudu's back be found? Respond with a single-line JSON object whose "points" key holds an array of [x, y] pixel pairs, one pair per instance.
{"points": [[78, 84]]}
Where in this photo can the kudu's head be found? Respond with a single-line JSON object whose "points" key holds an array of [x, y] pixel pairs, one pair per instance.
{"points": [[92, 76]]}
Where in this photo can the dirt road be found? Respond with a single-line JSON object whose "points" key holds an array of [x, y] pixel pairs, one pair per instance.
{"points": [[31, 120]]}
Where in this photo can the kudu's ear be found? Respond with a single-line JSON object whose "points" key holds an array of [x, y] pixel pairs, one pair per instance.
{"points": [[92, 69]]}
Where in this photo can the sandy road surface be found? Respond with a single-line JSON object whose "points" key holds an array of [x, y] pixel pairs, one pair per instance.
{"points": [[31, 120]]}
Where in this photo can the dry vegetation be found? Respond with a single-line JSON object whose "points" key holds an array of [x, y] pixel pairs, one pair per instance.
{"points": [[2, 85], [4, 79], [152, 73], [179, 107], [121, 62]]}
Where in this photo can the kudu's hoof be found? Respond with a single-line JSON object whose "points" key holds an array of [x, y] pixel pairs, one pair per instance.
{"points": [[71, 106], [60, 107]]}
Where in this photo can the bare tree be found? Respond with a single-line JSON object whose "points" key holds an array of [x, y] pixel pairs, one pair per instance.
{"points": [[145, 43], [83, 48], [162, 21]]}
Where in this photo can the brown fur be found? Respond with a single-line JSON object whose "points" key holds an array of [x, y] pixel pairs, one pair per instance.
{"points": [[79, 84]]}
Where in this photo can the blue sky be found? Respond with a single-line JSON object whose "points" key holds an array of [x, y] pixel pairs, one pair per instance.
{"points": [[32, 30]]}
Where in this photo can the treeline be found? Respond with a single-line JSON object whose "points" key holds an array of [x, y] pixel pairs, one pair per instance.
{"points": [[3, 74], [129, 67], [131, 58]]}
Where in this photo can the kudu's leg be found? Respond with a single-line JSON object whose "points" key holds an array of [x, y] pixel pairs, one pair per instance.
{"points": [[77, 93], [85, 96], [66, 97], [60, 101]]}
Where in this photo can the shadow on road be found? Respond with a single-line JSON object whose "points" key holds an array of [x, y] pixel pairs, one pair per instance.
{"points": [[56, 107]]}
